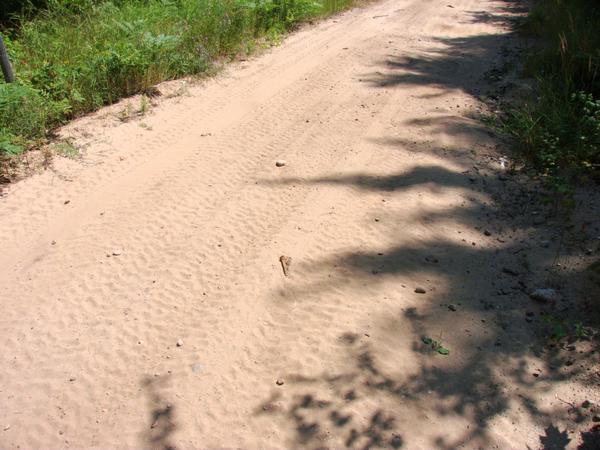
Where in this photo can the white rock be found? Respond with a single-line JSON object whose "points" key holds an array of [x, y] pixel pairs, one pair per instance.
{"points": [[179, 343], [544, 295]]}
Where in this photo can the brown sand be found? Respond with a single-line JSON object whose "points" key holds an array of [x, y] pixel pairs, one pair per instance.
{"points": [[144, 302]]}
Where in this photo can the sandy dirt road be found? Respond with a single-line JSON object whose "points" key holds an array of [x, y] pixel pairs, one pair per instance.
{"points": [[171, 228]]}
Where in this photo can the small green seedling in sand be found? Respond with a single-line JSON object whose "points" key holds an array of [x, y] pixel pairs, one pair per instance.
{"points": [[581, 332], [435, 345], [129, 111], [66, 149], [558, 327]]}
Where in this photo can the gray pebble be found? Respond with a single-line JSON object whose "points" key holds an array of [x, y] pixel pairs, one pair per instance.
{"points": [[544, 295]]}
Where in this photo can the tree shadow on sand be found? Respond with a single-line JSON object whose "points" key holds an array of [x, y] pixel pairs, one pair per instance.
{"points": [[469, 63], [507, 355], [504, 358], [162, 415]]}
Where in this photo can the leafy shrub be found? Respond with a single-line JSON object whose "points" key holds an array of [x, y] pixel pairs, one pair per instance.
{"points": [[561, 133], [24, 115], [76, 55], [559, 126]]}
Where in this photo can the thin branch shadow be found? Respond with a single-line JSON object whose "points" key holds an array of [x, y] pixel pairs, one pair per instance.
{"points": [[162, 415]]}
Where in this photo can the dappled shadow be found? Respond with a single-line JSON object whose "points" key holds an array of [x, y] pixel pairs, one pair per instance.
{"points": [[506, 350], [469, 63], [326, 417], [508, 331], [451, 63], [590, 439], [554, 439], [161, 419], [416, 176]]}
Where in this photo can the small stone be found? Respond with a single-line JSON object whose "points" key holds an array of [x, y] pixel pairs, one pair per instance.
{"points": [[6, 427], [279, 382], [53, 242], [72, 379], [420, 290], [280, 163], [544, 295], [586, 404], [67, 202], [452, 307], [179, 342], [285, 261], [535, 374], [154, 424], [487, 232], [510, 271]]}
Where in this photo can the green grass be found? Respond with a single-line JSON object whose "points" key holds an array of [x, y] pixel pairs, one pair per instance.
{"points": [[558, 127], [77, 55]]}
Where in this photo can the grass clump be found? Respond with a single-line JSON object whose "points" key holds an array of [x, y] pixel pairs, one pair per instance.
{"points": [[71, 57], [558, 127], [25, 114]]}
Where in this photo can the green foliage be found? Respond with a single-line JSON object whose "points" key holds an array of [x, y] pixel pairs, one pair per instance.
{"points": [[559, 132], [558, 128], [435, 345], [570, 47], [75, 56], [558, 329], [581, 332], [10, 9], [66, 149], [561, 329], [25, 113]]}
